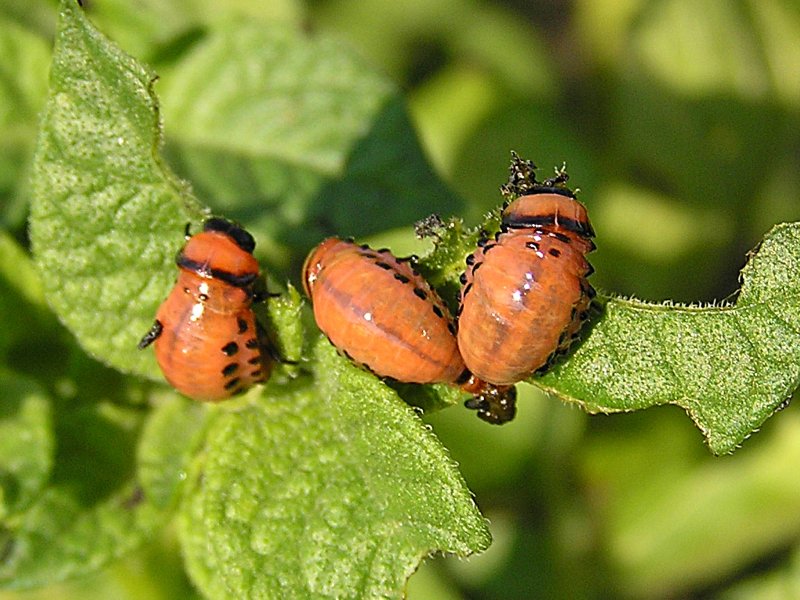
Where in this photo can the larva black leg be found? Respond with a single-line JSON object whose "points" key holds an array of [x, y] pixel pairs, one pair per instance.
{"points": [[263, 295], [151, 336], [260, 292]]}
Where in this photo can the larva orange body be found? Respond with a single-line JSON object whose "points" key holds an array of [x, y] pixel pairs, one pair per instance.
{"points": [[525, 294], [383, 315], [206, 338]]}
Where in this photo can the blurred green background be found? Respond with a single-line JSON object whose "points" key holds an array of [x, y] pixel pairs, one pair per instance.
{"points": [[679, 120]]}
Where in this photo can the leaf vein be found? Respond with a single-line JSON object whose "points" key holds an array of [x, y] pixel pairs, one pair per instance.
{"points": [[756, 354], [781, 319], [678, 379]]}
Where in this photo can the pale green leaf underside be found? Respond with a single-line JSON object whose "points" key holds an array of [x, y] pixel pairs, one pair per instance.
{"points": [[337, 492], [730, 367]]}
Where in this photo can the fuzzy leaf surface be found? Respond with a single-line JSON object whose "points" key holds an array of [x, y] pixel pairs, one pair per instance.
{"points": [[333, 491], [107, 215], [729, 366], [297, 136]]}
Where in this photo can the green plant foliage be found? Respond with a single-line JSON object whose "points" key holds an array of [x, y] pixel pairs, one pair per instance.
{"points": [[80, 522], [153, 30], [170, 438], [691, 509], [112, 485], [729, 366], [22, 309], [105, 218], [26, 445], [296, 136], [390, 489], [287, 324], [23, 86], [324, 482], [333, 491]]}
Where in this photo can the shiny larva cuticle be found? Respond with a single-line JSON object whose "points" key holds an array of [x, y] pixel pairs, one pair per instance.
{"points": [[525, 294], [384, 316], [207, 341], [375, 308]]}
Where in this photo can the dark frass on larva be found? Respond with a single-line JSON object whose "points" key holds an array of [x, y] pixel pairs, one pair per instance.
{"points": [[525, 293], [206, 337], [383, 315]]}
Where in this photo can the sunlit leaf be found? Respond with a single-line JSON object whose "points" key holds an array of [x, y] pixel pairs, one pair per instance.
{"points": [[337, 490]]}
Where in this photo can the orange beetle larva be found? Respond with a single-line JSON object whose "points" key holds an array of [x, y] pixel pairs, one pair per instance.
{"points": [[384, 316], [525, 294], [206, 338]]}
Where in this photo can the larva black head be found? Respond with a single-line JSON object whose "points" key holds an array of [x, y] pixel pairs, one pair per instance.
{"points": [[241, 237]]}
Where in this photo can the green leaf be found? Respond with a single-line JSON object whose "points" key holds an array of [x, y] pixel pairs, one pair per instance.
{"points": [[34, 15], [287, 323], [23, 61], [91, 512], [24, 58], [707, 48], [59, 538], [781, 581], [700, 47], [663, 506], [99, 504], [107, 215], [159, 31], [336, 493], [296, 136], [717, 69], [22, 309], [19, 274], [170, 438], [26, 444], [730, 366]]}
